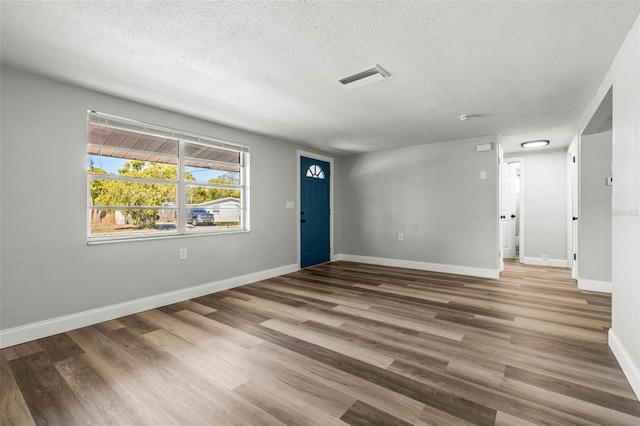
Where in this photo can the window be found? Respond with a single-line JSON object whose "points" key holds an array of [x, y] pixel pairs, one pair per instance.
{"points": [[315, 171], [147, 181]]}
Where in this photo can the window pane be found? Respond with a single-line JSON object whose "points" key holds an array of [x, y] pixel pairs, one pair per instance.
{"points": [[127, 153], [101, 165], [211, 153], [105, 192], [315, 171], [112, 222], [211, 175], [217, 206], [111, 140], [204, 163]]}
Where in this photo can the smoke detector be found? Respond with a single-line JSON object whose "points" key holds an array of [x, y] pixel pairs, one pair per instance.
{"points": [[364, 78]]}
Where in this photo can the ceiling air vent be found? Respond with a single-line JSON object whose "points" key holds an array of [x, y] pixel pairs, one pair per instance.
{"points": [[365, 77]]}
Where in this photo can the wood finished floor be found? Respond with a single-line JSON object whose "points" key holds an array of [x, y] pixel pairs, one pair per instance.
{"points": [[341, 343]]}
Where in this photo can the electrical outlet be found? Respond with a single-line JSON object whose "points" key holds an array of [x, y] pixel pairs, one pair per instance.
{"points": [[416, 238], [400, 236], [183, 253], [545, 257]]}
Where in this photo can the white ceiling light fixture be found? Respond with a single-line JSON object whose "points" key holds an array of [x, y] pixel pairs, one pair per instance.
{"points": [[464, 118], [535, 144], [364, 78]]}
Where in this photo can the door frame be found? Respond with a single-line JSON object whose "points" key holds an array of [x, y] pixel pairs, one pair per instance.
{"points": [[301, 153], [520, 228], [499, 209], [573, 199]]}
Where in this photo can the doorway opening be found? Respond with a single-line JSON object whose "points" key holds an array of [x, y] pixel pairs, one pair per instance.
{"points": [[516, 170], [512, 208], [593, 222]]}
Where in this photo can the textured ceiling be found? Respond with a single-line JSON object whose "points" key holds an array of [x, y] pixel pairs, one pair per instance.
{"points": [[522, 69]]}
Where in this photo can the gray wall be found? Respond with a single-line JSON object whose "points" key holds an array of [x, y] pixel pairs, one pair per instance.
{"points": [[47, 269], [435, 189], [624, 336], [625, 200], [594, 214], [544, 196]]}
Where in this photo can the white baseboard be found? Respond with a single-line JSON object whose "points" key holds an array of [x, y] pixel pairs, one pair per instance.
{"points": [[593, 285], [630, 368], [425, 266], [38, 330], [556, 263]]}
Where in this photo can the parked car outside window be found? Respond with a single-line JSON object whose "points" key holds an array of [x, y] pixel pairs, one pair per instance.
{"points": [[200, 217]]}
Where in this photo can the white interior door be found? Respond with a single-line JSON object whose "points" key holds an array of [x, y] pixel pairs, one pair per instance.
{"points": [[509, 182]]}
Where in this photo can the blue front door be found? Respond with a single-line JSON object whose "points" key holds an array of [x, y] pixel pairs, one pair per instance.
{"points": [[314, 212]]}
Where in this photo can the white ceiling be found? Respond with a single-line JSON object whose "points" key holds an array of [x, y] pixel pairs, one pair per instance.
{"points": [[524, 70]]}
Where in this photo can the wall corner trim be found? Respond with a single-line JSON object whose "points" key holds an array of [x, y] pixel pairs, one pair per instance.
{"points": [[593, 285], [425, 266], [630, 368], [38, 330]]}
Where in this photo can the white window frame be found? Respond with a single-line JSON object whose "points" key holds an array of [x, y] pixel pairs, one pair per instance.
{"points": [[181, 184]]}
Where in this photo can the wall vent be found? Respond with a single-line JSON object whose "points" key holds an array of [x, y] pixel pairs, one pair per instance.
{"points": [[364, 77]]}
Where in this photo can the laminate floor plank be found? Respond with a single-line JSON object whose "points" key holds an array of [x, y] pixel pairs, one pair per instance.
{"points": [[338, 381], [361, 413], [584, 413], [93, 391], [324, 296], [270, 366], [485, 396], [173, 392], [422, 327], [13, 408], [402, 346], [47, 394], [504, 419], [138, 324], [431, 416], [451, 403], [180, 328], [278, 293], [273, 399], [337, 343], [182, 393], [198, 359], [594, 396], [300, 314], [215, 328], [18, 351]]}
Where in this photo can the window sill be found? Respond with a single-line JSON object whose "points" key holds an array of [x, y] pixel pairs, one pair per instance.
{"points": [[98, 242]]}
